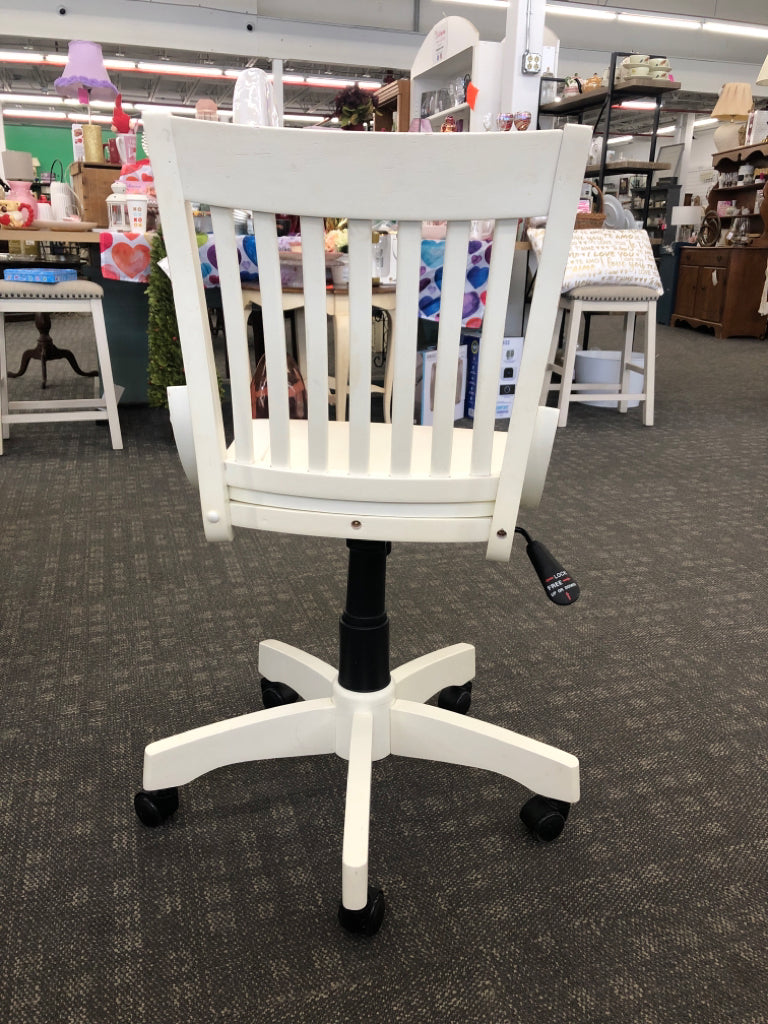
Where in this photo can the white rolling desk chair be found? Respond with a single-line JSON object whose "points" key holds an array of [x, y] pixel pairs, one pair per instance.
{"points": [[367, 484]]}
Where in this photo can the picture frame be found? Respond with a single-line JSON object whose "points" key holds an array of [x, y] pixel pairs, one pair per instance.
{"points": [[623, 186]]}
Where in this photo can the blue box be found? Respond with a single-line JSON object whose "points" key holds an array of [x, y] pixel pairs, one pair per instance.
{"points": [[508, 370], [40, 275]]}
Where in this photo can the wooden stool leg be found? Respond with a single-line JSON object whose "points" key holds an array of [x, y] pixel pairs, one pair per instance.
{"points": [[569, 361], [629, 334], [105, 364], [650, 365], [547, 385], [3, 383]]}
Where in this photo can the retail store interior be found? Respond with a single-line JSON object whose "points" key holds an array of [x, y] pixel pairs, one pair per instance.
{"points": [[217, 895]]}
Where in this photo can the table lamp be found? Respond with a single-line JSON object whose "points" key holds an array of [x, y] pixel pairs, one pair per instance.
{"points": [[686, 217], [85, 78], [762, 78], [732, 110]]}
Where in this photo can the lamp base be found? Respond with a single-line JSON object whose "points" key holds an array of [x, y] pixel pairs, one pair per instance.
{"points": [[729, 135]]}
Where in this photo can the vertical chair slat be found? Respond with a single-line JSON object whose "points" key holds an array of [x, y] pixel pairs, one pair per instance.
{"points": [[236, 338], [403, 345], [265, 235], [313, 264], [448, 337], [360, 339], [491, 342]]}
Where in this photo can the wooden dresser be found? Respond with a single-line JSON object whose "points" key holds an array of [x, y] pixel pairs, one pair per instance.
{"points": [[721, 288]]}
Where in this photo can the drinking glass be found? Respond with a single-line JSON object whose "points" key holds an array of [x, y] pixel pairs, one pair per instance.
{"points": [[521, 119]]}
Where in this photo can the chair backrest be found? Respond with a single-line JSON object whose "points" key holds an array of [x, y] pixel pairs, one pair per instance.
{"points": [[362, 478]]}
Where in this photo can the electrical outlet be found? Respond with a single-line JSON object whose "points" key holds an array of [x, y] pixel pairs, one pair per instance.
{"points": [[531, 63]]}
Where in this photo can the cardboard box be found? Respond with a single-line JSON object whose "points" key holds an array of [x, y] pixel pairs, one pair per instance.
{"points": [[512, 353], [41, 275], [757, 127], [426, 371], [92, 183]]}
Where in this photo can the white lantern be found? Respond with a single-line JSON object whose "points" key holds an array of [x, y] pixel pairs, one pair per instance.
{"points": [[117, 208]]}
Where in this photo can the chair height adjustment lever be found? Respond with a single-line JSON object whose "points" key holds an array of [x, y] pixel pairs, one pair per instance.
{"points": [[559, 586]]}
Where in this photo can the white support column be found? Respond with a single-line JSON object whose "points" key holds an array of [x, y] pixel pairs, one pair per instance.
{"points": [[277, 86], [684, 134], [525, 31]]}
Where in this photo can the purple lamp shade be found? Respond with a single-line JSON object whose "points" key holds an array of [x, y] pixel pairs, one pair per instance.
{"points": [[85, 77]]}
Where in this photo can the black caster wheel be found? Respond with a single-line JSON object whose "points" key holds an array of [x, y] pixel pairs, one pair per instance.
{"points": [[367, 920], [275, 695], [154, 806], [456, 698], [545, 817]]}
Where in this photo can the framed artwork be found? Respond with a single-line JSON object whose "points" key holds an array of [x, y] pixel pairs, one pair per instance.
{"points": [[623, 186]]}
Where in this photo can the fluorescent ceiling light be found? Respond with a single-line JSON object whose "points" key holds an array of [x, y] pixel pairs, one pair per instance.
{"points": [[116, 64], [620, 139], [190, 70], [304, 118], [652, 19], [293, 79], [94, 104], [112, 63], [187, 111], [13, 97], [335, 83], [20, 57], [597, 14], [705, 121], [669, 130], [85, 118], [480, 3], [637, 105], [145, 107], [38, 115], [730, 29]]}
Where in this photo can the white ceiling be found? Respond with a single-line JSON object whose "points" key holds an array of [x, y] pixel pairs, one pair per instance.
{"points": [[349, 38]]}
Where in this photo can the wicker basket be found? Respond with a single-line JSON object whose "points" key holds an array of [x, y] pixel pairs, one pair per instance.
{"points": [[596, 219]]}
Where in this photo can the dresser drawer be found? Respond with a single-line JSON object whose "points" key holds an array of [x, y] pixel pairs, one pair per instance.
{"points": [[705, 257]]}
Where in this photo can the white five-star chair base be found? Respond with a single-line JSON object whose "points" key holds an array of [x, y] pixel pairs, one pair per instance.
{"points": [[362, 728]]}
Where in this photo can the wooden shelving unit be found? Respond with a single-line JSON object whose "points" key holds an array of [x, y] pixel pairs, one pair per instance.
{"points": [[392, 104], [743, 196]]}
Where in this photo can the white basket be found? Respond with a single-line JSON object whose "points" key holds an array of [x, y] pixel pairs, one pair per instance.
{"points": [[598, 366]]}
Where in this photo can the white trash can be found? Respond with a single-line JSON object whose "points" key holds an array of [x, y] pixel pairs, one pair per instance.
{"points": [[598, 366]]}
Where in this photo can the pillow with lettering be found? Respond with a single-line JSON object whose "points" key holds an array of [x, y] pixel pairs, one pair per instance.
{"points": [[604, 256]]}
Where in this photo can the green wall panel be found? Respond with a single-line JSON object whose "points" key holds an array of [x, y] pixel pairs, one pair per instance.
{"points": [[48, 143]]}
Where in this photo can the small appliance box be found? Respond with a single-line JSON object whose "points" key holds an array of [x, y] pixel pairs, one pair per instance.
{"points": [[40, 275], [511, 355], [757, 127], [426, 371]]}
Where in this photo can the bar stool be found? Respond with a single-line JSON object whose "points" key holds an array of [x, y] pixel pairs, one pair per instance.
{"points": [[631, 301], [70, 297]]}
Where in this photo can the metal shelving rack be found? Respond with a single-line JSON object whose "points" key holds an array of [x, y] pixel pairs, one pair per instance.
{"points": [[604, 99]]}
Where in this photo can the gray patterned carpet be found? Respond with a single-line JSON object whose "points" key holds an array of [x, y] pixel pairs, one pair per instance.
{"points": [[120, 625]]}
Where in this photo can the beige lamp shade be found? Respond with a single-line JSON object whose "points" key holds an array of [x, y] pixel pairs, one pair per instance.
{"points": [[762, 78], [732, 110], [691, 216]]}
